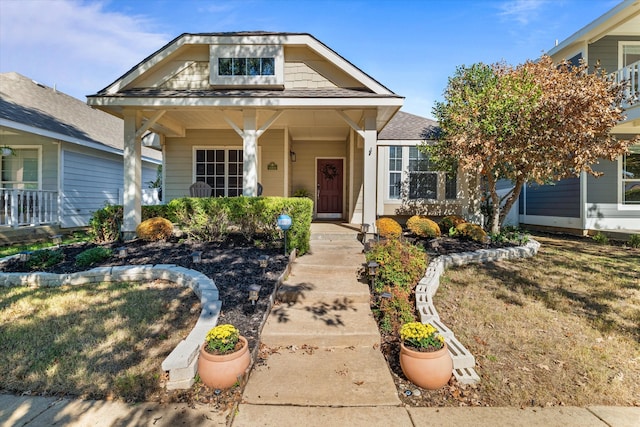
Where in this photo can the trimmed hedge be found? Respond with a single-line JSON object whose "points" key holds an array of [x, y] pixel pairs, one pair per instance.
{"points": [[423, 226], [212, 218], [388, 228]]}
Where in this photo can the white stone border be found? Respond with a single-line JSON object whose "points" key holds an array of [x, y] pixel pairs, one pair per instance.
{"points": [[182, 361], [463, 360]]}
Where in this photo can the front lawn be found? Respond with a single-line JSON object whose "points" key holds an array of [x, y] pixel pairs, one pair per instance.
{"points": [[94, 341], [561, 328]]}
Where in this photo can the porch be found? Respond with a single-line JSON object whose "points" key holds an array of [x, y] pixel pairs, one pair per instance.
{"points": [[28, 207]]}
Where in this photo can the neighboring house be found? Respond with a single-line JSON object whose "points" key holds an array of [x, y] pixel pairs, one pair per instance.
{"points": [[612, 201], [66, 159], [281, 110]]}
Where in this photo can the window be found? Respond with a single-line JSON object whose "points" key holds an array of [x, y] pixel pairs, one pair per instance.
{"points": [[21, 170], [246, 67], [423, 183], [395, 172], [629, 53], [630, 177], [221, 168], [413, 176]]}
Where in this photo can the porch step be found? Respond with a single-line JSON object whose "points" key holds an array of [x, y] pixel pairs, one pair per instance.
{"points": [[324, 376], [332, 323], [335, 236]]}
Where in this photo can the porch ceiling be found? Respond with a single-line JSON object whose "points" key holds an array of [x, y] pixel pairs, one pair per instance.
{"points": [[303, 124]]}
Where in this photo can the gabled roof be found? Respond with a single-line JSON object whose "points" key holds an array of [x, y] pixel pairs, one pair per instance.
{"points": [[407, 127], [36, 108], [243, 37], [624, 19]]}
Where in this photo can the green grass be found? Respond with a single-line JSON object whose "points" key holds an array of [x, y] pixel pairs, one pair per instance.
{"points": [[561, 328], [93, 341], [67, 239]]}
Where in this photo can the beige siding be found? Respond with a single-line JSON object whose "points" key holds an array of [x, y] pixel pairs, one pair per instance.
{"points": [[298, 75], [179, 159], [188, 68], [271, 145], [304, 169], [318, 65]]}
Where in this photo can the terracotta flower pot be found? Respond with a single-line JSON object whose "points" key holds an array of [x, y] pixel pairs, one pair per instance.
{"points": [[430, 370], [223, 371]]}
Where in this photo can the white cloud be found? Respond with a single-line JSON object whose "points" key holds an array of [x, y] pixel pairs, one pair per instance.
{"points": [[521, 11], [77, 45]]}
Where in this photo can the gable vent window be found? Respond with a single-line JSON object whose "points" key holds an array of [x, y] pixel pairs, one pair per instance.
{"points": [[246, 66]]}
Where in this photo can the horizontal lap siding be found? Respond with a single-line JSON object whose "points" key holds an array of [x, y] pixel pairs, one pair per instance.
{"points": [[88, 183], [602, 194], [91, 180], [559, 200]]}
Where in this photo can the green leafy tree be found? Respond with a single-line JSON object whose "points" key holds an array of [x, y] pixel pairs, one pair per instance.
{"points": [[538, 121]]}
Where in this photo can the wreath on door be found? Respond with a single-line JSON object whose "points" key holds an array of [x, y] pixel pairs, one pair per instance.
{"points": [[329, 171]]}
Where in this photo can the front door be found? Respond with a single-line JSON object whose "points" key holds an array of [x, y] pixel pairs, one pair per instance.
{"points": [[330, 181]]}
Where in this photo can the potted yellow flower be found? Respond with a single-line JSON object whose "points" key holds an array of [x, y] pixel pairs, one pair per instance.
{"points": [[224, 357], [424, 357]]}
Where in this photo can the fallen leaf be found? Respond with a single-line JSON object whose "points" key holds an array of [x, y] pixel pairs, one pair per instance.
{"points": [[545, 367]]}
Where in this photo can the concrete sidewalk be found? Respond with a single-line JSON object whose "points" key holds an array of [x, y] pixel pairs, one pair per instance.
{"points": [[324, 368]]}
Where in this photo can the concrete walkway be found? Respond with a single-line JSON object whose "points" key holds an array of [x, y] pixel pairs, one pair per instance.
{"points": [[323, 368]]}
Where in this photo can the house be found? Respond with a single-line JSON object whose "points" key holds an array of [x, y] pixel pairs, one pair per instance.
{"points": [[612, 201], [246, 110], [66, 159]]}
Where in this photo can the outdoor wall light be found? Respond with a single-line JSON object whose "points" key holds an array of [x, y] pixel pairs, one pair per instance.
{"points": [[56, 239], [292, 155], [254, 293], [25, 256], [197, 257], [372, 270], [122, 252]]}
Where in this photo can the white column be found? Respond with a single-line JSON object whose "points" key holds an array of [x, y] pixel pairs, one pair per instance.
{"points": [[132, 177], [370, 175], [250, 159]]}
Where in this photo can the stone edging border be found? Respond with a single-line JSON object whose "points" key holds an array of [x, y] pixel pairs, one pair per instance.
{"points": [[463, 360]]}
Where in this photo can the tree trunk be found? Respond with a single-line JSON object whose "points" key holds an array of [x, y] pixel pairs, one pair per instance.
{"points": [[494, 223], [511, 200]]}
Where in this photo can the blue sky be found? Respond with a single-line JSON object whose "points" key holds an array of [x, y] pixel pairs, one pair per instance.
{"points": [[410, 46]]}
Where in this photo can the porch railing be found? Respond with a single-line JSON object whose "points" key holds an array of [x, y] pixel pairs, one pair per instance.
{"points": [[28, 207], [630, 76]]}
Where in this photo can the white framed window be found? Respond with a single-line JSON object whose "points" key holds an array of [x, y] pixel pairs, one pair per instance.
{"points": [[246, 65], [630, 177], [411, 175], [21, 170], [395, 172], [221, 168], [628, 53]]}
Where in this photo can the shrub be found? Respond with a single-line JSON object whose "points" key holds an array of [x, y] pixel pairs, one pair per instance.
{"points": [[634, 241], [388, 228], [154, 229], [44, 258], [401, 264], [104, 225], [510, 234], [601, 238], [471, 231], [450, 221], [393, 312], [92, 256], [203, 219], [423, 226]]}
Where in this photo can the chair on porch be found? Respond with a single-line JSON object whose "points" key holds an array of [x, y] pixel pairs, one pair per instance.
{"points": [[200, 189]]}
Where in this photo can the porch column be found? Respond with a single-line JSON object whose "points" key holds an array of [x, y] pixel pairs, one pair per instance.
{"points": [[132, 177], [250, 159], [370, 136]]}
